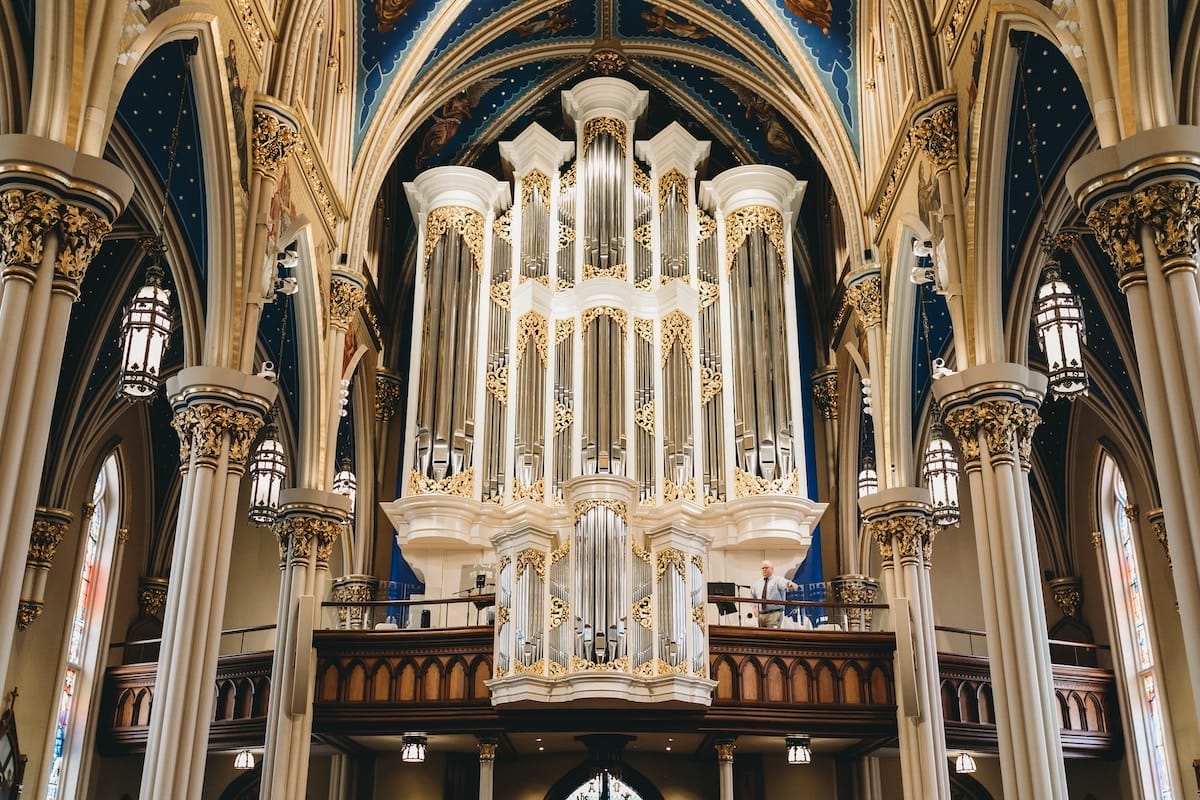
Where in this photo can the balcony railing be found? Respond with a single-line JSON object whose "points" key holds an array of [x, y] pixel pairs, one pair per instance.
{"points": [[831, 682]]}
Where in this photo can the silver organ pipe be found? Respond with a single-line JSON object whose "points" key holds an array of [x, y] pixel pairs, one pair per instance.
{"points": [[643, 231], [674, 223], [643, 405], [496, 378], [711, 372]]}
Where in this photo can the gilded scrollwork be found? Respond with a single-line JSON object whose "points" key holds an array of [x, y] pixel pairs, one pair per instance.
{"points": [[1172, 210], [670, 557], [895, 178], [27, 612], [536, 668], [388, 394], [825, 394], [937, 135], [566, 179], [741, 223], [82, 232], [706, 224], [1158, 526], [560, 612], [676, 326], [563, 328], [314, 175], [535, 184], [502, 225], [644, 328], [1068, 595], [641, 181], [273, 140], [535, 491], [25, 217], [202, 429], [909, 535], [698, 564], [45, 538], [617, 315], [866, 299], [612, 126], [643, 417], [497, 384], [345, 299], [711, 384], [566, 236], [467, 222], [533, 325], [1005, 425], [955, 23], [618, 271], [563, 417], [503, 613], [639, 552], [644, 235], [699, 617], [672, 492], [1116, 226], [617, 507], [501, 294], [672, 181], [709, 294], [607, 62], [530, 558], [747, 485], [641, 613], [460, 484]]}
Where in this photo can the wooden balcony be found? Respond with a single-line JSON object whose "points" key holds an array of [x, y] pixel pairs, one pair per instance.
{"points": [[769, 682]]}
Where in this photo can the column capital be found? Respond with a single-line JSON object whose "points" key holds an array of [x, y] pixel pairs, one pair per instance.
{"points": [[1068, 594], [309, 520], [49, 527], [487, 748], [347, 294], [825, 392], [935, 130], [152, 596], [389, 393], [212, 403], [863, 297], [276, 132], [993, 406], [900, 521], [725, 748]]}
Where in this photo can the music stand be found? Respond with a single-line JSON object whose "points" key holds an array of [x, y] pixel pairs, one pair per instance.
{"points": [[723, 589]]}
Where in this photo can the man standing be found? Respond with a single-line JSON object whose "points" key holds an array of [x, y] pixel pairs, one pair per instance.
{"points": [[770, 588]]}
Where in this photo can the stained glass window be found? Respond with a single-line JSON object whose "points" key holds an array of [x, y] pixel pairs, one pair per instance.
{"points": [[604, 786]]}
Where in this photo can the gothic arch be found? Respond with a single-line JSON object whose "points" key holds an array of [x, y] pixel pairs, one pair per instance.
{"points": [[568, 783]]}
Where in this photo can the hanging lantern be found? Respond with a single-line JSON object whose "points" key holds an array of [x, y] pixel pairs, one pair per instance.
{"points": [[145, 329], [964, 763], [413, 749], [344, 483], [267, 471], [243, 760], [868, 478], [1058, 316], [798, 749], [941, 476]]}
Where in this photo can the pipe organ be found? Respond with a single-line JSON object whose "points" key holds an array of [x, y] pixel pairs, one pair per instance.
{"points": [[603, 388]]}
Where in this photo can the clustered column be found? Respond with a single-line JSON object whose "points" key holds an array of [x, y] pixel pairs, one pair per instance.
{"points": [[899, 522], [993, 410], [308, 526], [1145, 210], [51, 227], [49, 527], [218, 412]]}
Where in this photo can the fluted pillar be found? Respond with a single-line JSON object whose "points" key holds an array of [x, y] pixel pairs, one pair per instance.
{"points": [[993, 410], [725, 748], [309, 524], [56, 207], [1145, 210], [49, 527], [217, 413], [898, 521], [487, 765]]}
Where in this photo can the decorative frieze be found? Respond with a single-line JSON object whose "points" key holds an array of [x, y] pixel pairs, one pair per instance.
{"points": [[747, 485], [676, 326], [460, 484], [617, 507]]}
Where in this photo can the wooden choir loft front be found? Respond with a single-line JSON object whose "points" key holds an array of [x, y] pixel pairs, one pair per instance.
{"points": [[588, 399]]}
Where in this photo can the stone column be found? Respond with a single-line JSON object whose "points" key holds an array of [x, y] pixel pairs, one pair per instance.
{"points": [[1145, 210], [308, 526], [725, 748], [218, 412], [49, 527], [487, 765], [992, 409], [56, 207], [899, 522]]}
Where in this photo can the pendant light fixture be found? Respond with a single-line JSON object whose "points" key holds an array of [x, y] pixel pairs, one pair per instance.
{"points": [[940, 468], [268, 466], [146, 322]]}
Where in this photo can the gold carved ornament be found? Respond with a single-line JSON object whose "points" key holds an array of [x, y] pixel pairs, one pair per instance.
{"points": [[639, 552], [501, 294], [617, 315], [706, 224], [566, 179], [533, 325], [536, 668], [709, 294], [1116, 227], [316, 182], [388, 394], [273, 142], [895, 178], [747, 485], [937, 135], [460, 484], [954, 24], [535, 491], [1068, 596], [607, 62], [725, 750], [866, 298], [563, 417], [825, 394], [672, 181], [1172, 210], [617, 507], [566, 236], [560, 612], [644, 284], [618, 271], [345, 299], [643, 417], [25, 216], [502, 615], [44, 541], [711, 384], [487, 751], [561, 552], [1005, 424], [610, 125], [497, 384], [563, 329], [698, 564], [27, 612], [531, 558], [202, 428], [644, 235], [82, 233], [467, 222], [641, 180], [670, 557], [644, 328], [741, 223], [676, 326], [1158, 526], [502, 226], [698, 616], [152, 599], [535, 184], [672, 492]]}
